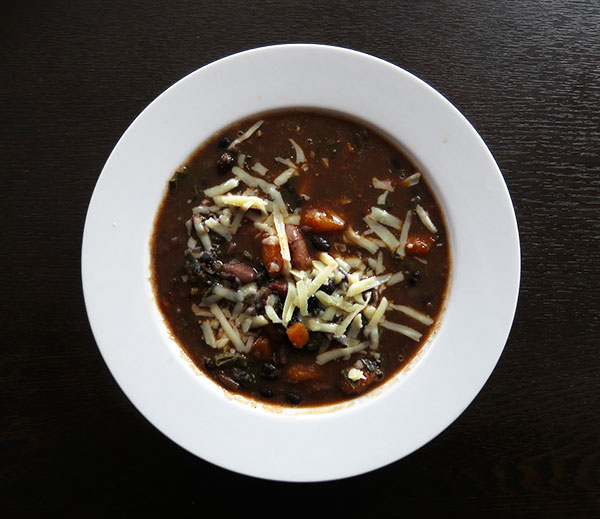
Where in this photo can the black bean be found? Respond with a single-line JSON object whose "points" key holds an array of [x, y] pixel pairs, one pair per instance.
{"points": [[314, 305], [266, 392], [293, 398], [320, 243], [225, 163], [329, 287], [269, 370], [207, 257], [295, 317], [414, 277], [224, 142]]}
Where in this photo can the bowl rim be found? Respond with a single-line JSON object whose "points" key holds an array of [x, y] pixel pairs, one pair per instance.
{"points": [[434, 134]]}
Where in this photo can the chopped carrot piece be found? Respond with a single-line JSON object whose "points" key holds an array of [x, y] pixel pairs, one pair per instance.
{"points": [[418, 246], [322, 220], [261, 348], [271, 256], [302, 372], [297, 334]]}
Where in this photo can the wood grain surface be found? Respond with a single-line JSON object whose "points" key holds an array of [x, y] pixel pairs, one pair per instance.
{"points": [[74, 76]]}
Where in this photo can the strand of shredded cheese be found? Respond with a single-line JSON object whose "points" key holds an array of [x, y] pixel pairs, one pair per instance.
{"points": [[246, 135], [404, 330], [411, 312], [231, 332], [329, 355]]}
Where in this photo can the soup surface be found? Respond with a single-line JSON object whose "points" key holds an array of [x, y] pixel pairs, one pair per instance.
{"points": [[299, 258]]}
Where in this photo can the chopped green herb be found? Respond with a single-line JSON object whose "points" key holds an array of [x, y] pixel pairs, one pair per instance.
{"points": [[229, 359], [193, 265], [372, 366], [244, 377], [174, 180], [196, 193]]}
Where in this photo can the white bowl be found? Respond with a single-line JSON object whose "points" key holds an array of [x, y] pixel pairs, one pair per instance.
{"points": [[301, 444]]}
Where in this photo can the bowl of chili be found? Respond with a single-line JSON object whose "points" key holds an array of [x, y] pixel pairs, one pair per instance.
{"points": [[301, 269]]}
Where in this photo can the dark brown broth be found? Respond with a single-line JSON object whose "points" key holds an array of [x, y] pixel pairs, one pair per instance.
{"points": [[355, 155]]}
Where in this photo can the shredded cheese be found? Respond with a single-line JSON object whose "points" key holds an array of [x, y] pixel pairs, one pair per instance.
{"points": [[231, 332], [289, 305], [361, 241], [382, 184], [371, 329], [401, 250], [355, 326], [385, 234], [243, 201], [329, 355], [395, 278], [382, 216], [209, 336], [404, 330], [425, 218], [285, 176], [286, 162], [413, 180], [223, 188], [415, 314], [218, 227], [246, 135], [362, 285], [355, 374], [281, 235], [317, 325], [227, 293], [336, 301], [259, 168], [301, 297], [320, 280], [341, 329], [300, 157], [381, 199]]}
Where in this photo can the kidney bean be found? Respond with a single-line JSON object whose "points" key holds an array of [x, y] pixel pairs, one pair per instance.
{"points": [[301, 258], [245, 273]]}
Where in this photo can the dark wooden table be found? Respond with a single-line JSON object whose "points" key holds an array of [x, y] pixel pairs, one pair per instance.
{"points": [[75, 74]]}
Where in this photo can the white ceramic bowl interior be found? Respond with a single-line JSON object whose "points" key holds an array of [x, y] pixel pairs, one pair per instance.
{"points": [[301, 444]]}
